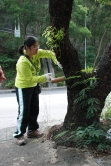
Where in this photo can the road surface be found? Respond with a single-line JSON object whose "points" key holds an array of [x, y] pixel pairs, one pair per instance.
{"points": [[53, 107]]}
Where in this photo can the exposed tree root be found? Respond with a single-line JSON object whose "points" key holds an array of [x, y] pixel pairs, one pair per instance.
{"points": [[60, 135]]}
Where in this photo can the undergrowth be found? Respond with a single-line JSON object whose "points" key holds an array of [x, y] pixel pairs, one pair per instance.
{"points": [[94, 135]]}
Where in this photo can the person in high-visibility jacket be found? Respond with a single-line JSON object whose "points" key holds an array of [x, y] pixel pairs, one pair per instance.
{"points": [[26, 83]]}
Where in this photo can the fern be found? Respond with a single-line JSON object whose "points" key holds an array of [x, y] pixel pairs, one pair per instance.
{"points": [[60, 134], [85, 136], [84, 98]]}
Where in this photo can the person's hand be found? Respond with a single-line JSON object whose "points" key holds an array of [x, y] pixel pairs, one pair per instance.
{"points": [[48, 77], [2, 77], [59, 65]]}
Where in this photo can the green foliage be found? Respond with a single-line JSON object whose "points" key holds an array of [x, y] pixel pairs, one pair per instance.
{"points": [[90, 56], [6, 62], [77, 26], [97, 17], [84, 98], [54, 37], [32, 16], [85, 32], [104, 1], [92, 134], [60, 134], [60, 84], [88, 70], [8, 57]]}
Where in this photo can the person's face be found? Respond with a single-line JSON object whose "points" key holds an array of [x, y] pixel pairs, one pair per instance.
{"points": [[33, 49]]}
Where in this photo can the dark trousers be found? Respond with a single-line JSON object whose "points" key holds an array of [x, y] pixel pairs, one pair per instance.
{"points": [[28, 110]]}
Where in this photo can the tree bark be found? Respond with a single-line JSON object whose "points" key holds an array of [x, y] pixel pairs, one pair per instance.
{"points": [[60, 15]]}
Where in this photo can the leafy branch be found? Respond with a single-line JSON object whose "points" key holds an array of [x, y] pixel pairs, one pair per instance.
{"points": [[54, 36]]}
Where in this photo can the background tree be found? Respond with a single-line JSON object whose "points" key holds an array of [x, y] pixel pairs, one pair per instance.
{"points": [[97, 31], [28, 12], [33, 17]]}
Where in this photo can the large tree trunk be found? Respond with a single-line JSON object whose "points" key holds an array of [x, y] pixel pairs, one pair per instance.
{"points": [[60, 14]]}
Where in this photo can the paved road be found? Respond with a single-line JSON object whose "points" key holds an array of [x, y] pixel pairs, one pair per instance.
{"points": [[53, 107]]}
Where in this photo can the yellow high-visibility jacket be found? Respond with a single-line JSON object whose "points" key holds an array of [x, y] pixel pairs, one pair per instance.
{"points": [[27, 73]]}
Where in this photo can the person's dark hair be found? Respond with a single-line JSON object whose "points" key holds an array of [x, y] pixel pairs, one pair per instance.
{"points": [[20, 50], [29, 41]]}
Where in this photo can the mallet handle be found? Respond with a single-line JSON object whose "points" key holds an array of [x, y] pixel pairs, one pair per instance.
{"points": [[59, 79]]}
